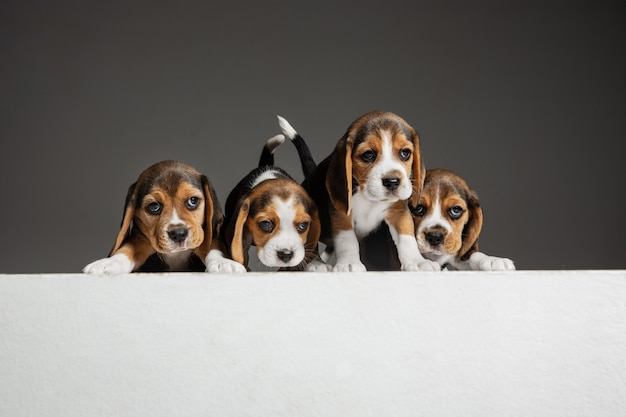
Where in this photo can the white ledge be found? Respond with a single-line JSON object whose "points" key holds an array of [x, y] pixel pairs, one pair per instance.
{"points": [[525, 343]]}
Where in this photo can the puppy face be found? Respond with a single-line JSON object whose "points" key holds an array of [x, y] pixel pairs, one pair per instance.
{"points": [[378, 156], [448, 217], [170, 204], [172, 218], [279, 218], [381, 165]]}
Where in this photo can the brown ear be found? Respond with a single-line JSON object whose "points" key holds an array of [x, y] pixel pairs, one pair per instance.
{"points": [[213, 217], [236, 244], [127, 219], [419, 171], [471, 231], [339, 176]]}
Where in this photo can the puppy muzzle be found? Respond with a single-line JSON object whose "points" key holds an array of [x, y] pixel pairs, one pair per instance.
{"points": [[281, 255], [178, 235], [284, 255], [388, 188], [391, 183], [432, 241], [434, 238], [175, 238]]}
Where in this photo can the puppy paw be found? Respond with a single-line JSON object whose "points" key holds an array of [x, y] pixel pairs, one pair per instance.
{"points": [[116, 264], [422, 265], [216, 262], [318, 266], [491, 263], [225, 266], [349, 266]]}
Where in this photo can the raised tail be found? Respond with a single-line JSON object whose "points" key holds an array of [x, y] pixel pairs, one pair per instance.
{"points": [[267, 155], [306, 159]]}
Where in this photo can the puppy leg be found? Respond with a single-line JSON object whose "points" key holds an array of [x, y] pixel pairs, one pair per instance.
{"points": [[402, 232], [116, 264], [317, 265], [409, 255], [478, 261], [129, 256], [216, 262], [347, 251]]}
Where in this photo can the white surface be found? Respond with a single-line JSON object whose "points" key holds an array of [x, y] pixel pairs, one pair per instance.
{"points": [[299, 344]]}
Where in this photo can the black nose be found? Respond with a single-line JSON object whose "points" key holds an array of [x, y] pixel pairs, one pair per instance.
{"points": [[434, 238], [391, 183], [178, 235], [284, 255]]}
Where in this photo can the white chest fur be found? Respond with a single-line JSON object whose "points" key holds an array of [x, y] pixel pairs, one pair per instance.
{"points": [[367, 215]]}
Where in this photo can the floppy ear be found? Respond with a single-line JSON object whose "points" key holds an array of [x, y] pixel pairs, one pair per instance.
{"points": [[339, 175], [472, 228], [213, 217], [127, 219], [236, 244], [419, 171], [313, 237]]}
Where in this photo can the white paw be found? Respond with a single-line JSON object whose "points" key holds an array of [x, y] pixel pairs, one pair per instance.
{"points": [[216, 263], [318, 266], [116, 264], [349, 266], [491, 263], [421, 265], [225, 266]]}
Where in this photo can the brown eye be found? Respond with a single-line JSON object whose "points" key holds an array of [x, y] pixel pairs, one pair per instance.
{"points": [[455, 212], [405, 154], [154, 208], [368, 156], [266, 226], [419, 211], [193, 203]]}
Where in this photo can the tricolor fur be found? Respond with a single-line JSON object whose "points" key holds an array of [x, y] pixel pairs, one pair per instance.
{"points": [[448, 221], [369, 179], [170, 223], [271, 211]]}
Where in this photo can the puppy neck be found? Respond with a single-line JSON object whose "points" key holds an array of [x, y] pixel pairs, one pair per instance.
{"points": [[176, 261], [367, 215]]}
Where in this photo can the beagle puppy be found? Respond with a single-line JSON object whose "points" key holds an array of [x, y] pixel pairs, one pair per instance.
{"points": [[171, 221], [270, 210], [448, 220], [367, 181]]}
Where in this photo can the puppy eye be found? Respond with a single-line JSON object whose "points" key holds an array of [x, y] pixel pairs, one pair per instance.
{"points": [[193, 203], [419, 211], [302, 227], [405, 154], [368, 156], [266, 226], [455, 212], [154, 208]]}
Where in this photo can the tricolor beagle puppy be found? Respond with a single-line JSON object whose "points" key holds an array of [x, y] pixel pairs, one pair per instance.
{"points": [[271, 211], [171, 221], [448, 220], [368, 180]]}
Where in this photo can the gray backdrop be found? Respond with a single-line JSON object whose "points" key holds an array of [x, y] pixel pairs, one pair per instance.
{"points": [[524, 99]]}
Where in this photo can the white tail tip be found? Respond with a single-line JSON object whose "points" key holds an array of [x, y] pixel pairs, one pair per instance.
{"points": [[287, 129], [274, 142]]}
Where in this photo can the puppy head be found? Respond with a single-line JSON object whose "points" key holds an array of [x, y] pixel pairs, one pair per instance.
{"points": [[173, 207], [280, 218], [448, 218], [379, 156]]}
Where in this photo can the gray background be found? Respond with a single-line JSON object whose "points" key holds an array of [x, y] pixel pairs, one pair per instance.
{"points": [[524, 99]]}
